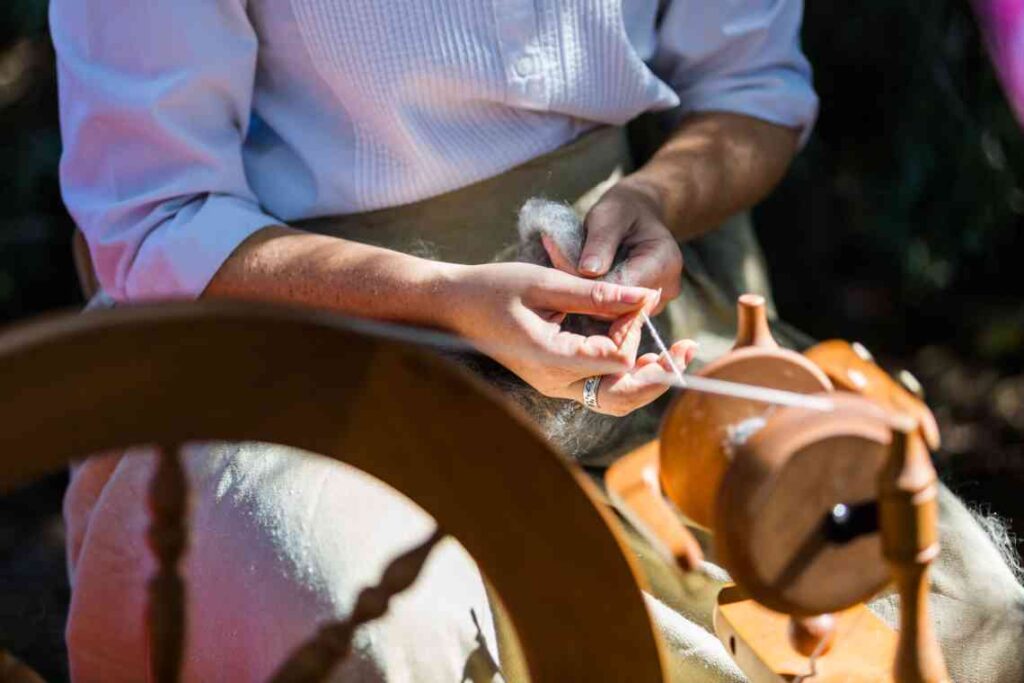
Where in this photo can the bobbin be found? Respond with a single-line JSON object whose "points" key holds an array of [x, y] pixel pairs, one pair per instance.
{"points": [[698, 429]]}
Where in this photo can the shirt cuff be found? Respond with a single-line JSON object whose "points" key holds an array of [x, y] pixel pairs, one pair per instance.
{"points": [[178, 259], [784, 98]]}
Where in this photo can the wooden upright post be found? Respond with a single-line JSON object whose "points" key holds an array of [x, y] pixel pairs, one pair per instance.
{"points": [[168, 538], [908, 509], [752, 323]]}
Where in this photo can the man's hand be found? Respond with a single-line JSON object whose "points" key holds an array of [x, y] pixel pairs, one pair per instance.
{"points": [[713, 165], [629, 217]]}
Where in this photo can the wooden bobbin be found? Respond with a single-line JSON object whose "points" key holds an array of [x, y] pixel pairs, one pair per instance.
{"points": [[752, 323], [687, 463], [698, 428]]}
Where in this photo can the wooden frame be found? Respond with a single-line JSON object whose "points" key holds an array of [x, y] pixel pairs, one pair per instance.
{"points": [[71, 385]]}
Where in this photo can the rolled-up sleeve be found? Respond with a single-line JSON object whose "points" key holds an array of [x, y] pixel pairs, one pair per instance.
{"points": [[739, 56], [155, 100]]}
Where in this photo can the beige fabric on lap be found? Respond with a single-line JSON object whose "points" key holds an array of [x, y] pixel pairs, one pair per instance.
{"points": [[282, 542]]}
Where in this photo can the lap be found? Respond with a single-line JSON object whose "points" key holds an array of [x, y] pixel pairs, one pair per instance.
{"points": [[976, 603], [282, 542]]}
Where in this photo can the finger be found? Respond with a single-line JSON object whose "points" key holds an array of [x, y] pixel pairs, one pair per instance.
{"points": [[628, 330], [682, 353], [647, 359], [577, 356], [645, 383], [691, 349], [622, 393], [655, 264], [569, 294], [553, 317], [608, 401], [606, 224], [558, 257]]}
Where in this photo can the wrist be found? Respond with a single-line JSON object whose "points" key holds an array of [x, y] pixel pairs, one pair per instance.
{"points": [[443, 285], [665, 197], [651, 191]]}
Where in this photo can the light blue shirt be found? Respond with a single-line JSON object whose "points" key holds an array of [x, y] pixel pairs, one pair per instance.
{"points": [[190, 124]]}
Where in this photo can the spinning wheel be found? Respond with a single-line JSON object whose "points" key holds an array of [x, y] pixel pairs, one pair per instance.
{"points": [[815, 508], [319, 383]]}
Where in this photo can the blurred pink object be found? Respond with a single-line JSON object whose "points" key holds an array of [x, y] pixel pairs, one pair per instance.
{"points": [[1002, 22]]}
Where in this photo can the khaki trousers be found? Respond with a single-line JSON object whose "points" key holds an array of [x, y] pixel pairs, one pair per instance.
{"points": [[282, 541]]}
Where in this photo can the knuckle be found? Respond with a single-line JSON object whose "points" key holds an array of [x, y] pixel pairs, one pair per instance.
{"points": [[673, 259], [603, 209], [604, 219], [671, 290], [676, 257], [602, 293]]}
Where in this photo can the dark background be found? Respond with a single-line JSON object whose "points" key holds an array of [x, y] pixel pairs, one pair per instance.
{"points": [[900, 225]]}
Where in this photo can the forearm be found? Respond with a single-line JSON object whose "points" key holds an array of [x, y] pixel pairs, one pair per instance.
{"points": [[284, 265], [714, 165]]}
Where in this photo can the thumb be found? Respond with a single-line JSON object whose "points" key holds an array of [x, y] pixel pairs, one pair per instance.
{"points": [[558, 257], [604, 234]]}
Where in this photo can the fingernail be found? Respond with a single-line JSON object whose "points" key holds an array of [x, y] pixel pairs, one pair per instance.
{"points": [[591, 264], [633, 295]]}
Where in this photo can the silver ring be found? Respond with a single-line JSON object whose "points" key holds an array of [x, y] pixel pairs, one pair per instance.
{"points": [[590, 387]]}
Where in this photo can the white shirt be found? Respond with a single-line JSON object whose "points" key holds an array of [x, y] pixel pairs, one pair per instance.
{"points": [[190, 124]]}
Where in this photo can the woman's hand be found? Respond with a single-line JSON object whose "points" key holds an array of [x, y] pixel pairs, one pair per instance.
{"points": [[621, 393], [514, 311]]}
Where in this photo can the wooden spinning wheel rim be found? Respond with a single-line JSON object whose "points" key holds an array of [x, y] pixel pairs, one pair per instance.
{"points": [[694, 432], [777, 494], [78, 384]]}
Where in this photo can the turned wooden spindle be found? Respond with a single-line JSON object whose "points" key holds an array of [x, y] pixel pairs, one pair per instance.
{"points": [[633, 488], [317, 657], [812, 635], [752, 323], [908, 513], [167, 538]]}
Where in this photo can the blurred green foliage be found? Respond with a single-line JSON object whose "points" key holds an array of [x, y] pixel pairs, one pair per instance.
{"points": [[19, 18], [902, 221], [36, 271]]}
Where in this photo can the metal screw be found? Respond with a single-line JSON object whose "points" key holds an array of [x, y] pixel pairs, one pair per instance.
{"points": [[862, 352], [910, 383]]}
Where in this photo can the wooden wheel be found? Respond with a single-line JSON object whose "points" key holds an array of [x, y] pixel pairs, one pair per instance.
{"points": [[78, 384]]}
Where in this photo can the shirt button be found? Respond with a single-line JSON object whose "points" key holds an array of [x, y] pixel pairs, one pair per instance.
{"points": [[526, 66]]}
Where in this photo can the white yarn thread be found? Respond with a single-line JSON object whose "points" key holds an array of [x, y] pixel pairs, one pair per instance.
{"points": [[706, 385]]}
